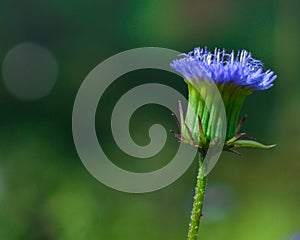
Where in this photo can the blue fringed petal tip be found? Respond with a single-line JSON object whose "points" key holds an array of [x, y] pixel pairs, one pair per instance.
{"points": [[240, 69]]}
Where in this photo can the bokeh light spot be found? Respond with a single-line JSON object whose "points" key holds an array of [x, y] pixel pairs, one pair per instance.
{"points": [[29, 71]]}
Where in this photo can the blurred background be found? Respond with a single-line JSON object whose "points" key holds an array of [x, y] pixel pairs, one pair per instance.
{"points": [[47, 48]]}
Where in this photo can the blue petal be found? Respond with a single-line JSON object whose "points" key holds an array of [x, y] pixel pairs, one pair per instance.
{"points": [[221, 67]]}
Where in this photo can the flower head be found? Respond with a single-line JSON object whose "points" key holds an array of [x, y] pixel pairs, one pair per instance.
{"points": [[241, 69], [235, 76]]}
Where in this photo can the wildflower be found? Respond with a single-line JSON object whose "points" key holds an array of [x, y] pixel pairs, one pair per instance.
{"points": [[236, 76], [212, 76]]}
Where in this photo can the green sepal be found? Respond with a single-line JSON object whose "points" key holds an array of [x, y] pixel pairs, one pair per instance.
{"points": [[252, 143], [234, 139]]}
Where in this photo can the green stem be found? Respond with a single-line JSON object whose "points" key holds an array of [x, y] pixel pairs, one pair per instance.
{"points": [[198, 202]]}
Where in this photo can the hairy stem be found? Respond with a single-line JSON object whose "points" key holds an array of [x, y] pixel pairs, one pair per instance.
{"points": [[198, 202]]}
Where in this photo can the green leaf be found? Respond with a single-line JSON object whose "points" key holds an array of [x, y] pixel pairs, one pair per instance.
{"points": [[251, 143]]}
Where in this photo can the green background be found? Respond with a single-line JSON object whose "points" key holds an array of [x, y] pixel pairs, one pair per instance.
{"points": [[45, 191]]}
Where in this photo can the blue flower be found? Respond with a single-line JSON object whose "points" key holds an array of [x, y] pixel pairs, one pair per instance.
{"points": [[241, 69], [236, 76]]}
